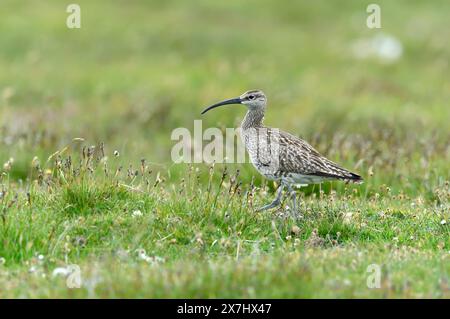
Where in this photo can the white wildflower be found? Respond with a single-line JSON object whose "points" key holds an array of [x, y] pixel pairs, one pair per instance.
{"points": [[152, 260], [137, 213], [61, 271]]}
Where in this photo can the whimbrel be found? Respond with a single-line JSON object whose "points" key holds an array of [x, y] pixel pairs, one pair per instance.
{"points": [[280, 156]]}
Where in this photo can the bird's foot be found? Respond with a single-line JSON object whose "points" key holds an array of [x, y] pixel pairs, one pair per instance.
{"points": [[275, 203]]}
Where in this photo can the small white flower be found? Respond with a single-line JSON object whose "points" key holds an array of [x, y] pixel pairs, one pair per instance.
{"points": [[7, 166], [443, 222], [137, 213], [61, 271], [2, 261], [40, 257], [116, 153], [141, 254], [72, 273]]}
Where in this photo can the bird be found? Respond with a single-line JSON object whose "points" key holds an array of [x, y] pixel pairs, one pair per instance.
{"points": [[280, 156]]}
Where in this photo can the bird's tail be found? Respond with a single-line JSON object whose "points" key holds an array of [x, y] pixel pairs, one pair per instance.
{"points": [[334, 171], [355, 178]]}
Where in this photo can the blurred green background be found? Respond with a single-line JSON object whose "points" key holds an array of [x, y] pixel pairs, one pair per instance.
{"points": [[138, 69]]}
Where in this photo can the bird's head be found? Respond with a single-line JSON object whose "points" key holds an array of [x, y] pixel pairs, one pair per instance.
{"points": [[253, 99]]}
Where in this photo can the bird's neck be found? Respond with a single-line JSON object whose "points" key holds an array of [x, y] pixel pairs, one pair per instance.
{"points": [[253, 118]]}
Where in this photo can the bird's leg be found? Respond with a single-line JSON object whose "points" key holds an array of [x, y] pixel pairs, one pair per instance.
{"points": [[292, 193], [276, 201], [293, 198]]}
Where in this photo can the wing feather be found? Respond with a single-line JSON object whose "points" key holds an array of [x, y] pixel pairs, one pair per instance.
{"points": [[297, 156]]}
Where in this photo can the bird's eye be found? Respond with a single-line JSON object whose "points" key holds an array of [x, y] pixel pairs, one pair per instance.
{"points": [[251, 97]]}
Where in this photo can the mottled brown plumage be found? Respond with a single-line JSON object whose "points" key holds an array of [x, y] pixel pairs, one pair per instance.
{"points": [[301, 158], [280, 156]]}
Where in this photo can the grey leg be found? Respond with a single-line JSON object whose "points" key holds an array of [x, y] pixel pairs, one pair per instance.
{"points": [[296, 213], [293, 198], [276, 202]]}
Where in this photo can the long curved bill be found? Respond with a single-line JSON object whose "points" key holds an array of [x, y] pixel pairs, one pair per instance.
{"points": [[230, 101]]}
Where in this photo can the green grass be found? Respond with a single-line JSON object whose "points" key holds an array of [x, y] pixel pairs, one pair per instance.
{"points": [[208, 241], [135, 71]]}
